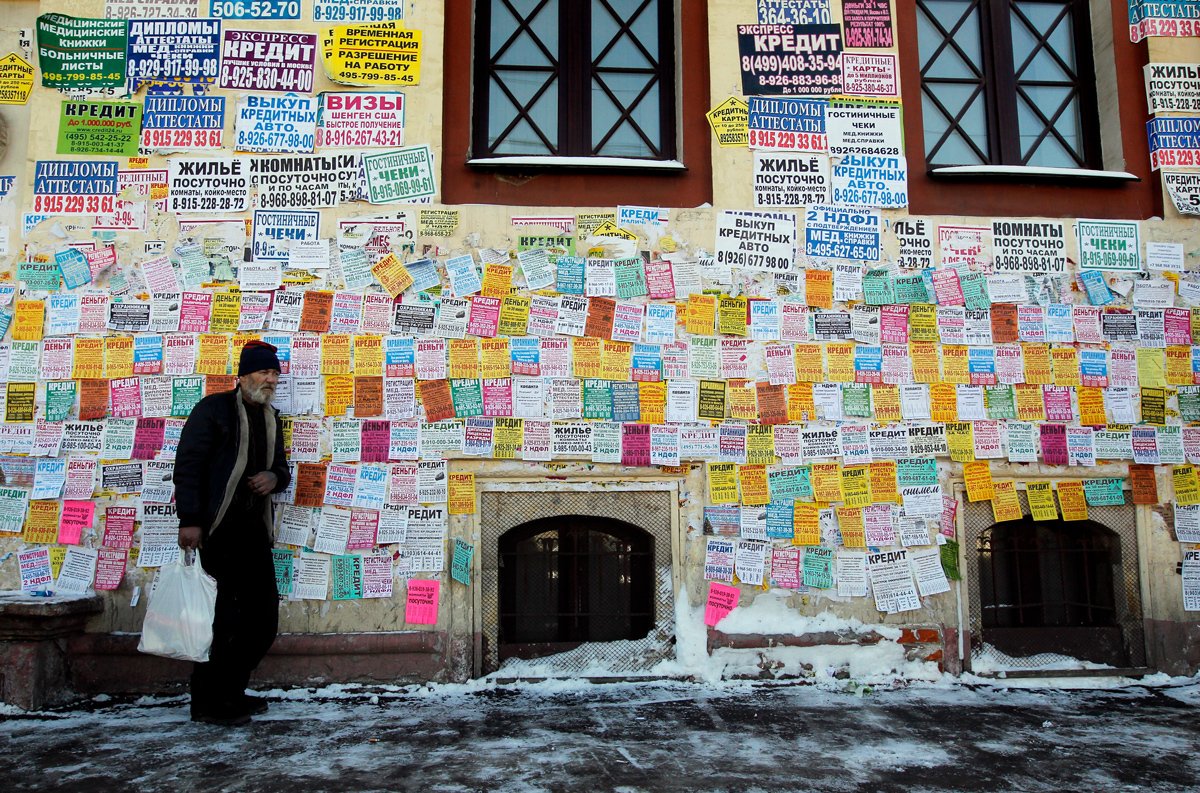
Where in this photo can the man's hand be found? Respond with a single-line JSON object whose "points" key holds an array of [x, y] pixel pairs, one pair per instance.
{"points": [[262, 483], [189, 537]]}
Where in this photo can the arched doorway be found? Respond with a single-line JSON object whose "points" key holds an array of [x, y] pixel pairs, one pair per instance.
{"points": [[1048, 586], [572, 579]]}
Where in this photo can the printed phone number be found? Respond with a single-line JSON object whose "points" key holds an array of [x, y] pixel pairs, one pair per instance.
{"points": [[255, 9], [274, 141], [355, 138], [344, 12], [267, 78], [74, 204], [182, 138]]}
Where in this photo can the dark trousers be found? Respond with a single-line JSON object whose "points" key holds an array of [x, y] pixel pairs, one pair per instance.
{"points": [[238, 556]]}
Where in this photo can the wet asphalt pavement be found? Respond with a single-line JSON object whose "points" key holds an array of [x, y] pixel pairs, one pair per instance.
{"points": [[662, 736]]}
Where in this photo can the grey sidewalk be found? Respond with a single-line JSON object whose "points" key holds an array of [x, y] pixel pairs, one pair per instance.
{"points": [[651, 736]]}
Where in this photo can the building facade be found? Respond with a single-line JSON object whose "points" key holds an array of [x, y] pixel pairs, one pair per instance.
{"points": [[628, 337]]}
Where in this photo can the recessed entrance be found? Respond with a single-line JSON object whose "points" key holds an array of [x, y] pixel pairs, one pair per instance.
{"points": [[580, 577], [1048, 587], [1040, 589], [573, 579]]}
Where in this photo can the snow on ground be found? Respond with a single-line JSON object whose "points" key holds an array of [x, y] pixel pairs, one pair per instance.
{"points": [[930, 737]]}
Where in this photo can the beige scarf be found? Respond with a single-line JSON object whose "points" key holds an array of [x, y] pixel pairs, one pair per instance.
{"points": [[243, 452]]}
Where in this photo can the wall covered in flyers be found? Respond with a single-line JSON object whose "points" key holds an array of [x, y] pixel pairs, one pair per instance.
{"points": [[827, 375]]}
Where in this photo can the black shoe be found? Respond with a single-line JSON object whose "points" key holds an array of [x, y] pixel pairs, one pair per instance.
{"points": [[224, 716], [254, 706]]}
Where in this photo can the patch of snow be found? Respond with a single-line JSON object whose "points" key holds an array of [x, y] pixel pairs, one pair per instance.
{"points": [[991, 659], [770, 613], [1189, 695]]}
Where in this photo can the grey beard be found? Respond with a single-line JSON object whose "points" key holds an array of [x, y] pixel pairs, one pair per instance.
{"points": [[259, 395]]}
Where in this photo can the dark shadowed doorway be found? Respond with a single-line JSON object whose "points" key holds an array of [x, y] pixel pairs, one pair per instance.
{"points": [[573, 579]]}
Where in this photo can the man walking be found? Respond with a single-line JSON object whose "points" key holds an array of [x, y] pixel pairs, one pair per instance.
{"points": [[230, 459]]}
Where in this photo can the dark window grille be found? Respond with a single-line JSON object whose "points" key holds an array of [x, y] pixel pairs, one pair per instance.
{"points": [[1038, 574], [574, 78], [1008, 82], [573, 579]]}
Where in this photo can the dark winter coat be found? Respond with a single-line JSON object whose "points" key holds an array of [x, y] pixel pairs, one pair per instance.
{"points": [[211, 459]]}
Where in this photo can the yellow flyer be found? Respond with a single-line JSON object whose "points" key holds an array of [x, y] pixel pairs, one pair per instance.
{"points": [[1037, 363], [960, 437], [585, 357], [368, 356], [1072, 500], [652, 403], [1005, 503], [729, 121], [818, 288], [1151, 368], [850, 522], [213, 354], [760, 444], [59, 552], [722, 483], [885, 400], [856, 486], [497, 279], [1040, 496], [743, 401], [840, 357], [461, 489], [1179, 365], [1187, 486], [806, 523], [118, 356], [392, 274], [752, 480], [922, 322], [335, 353], [226, 312], [514, 315], [731, 316], [242, 337], [507, 438], [1091, 406], [955, 368], [701, 315], [462, 362], [1030, 405], [800, 405], [926, 362], [41, 524], [495, 360], [1065, 361], [810, 363], [943, 402], [21, 402], [382, 54], [29, 319], [826, 481], [89, 359], [339, 394], [16, 80], [883, 482], [616, 357], [978, 478]]}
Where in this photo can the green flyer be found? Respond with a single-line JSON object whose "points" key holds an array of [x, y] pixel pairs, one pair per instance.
{"points": [[81, 53]]}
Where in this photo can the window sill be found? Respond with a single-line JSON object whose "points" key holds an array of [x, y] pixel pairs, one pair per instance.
{"points": [[611, 163], [1024, 173]]}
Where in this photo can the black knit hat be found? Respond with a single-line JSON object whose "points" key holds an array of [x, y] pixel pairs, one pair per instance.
{"points": [[257, 355]]}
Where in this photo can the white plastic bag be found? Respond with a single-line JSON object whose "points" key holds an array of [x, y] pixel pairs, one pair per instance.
{"points": [[179, 616]]}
